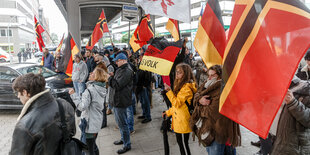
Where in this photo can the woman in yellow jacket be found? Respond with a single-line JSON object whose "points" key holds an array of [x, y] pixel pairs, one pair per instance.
{"points": [[184, 88]]}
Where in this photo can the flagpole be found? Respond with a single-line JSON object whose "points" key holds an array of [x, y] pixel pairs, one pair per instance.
{"points": [[111, 39]]}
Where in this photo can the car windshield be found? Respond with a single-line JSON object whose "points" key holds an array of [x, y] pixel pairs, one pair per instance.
{"points": [[45, 72]]}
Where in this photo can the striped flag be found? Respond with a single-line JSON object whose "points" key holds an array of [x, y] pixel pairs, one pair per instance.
{"points": [[210, 39], [68, 54], [143, 33], [100, 28], [173, 27], [60, 44], [39, 30], [267, 39], [160, 55]]}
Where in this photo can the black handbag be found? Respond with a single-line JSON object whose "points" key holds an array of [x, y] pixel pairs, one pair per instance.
{"points": [[69, 145]]}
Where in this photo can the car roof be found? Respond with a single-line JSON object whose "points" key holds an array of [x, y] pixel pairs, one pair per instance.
{"points": [[18, 65]]}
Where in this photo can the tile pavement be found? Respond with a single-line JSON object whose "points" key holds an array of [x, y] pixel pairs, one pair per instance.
{"points": [[146, 141]]}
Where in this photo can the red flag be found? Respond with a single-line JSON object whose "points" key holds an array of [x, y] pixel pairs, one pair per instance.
{"points": [[100, 28], [210, 40], [143, 33], [39, 30], [173, 27], [69, 52], [267, 40]]}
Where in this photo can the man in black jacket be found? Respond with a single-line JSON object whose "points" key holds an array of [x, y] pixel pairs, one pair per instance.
{"points": [[38, 129], [90, 62], [121, 84]]}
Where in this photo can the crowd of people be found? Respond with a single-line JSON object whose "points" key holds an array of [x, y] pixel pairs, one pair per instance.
{"points": [[110, 82]]}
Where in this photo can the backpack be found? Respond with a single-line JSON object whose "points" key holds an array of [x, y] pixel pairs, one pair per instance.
{"points": [[190, 107], [104, 121], [68, 145]]}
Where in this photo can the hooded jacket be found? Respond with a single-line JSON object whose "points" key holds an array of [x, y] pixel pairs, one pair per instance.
{"points": [[91, 104], [38, 129], [79, 72], [179, 111]]}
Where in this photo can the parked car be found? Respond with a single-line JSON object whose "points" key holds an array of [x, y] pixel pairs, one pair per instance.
{"points": [[38, 54], [58, 83], [4, 56]]}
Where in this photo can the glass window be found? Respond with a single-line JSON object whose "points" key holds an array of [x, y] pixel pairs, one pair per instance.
{"points": [[7, 74], [2, 33], [10, 33], [45, 72]]}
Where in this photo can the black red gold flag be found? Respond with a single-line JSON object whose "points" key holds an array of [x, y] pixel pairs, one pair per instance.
{"points": [[173, 27], [210, 39], [68, 54], [160, 55]]}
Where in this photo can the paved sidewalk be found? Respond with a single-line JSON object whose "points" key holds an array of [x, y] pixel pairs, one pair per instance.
{"points": [[146, 141]]}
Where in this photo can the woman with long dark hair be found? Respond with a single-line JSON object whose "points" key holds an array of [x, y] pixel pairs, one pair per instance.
{"points": [[180, 97]]}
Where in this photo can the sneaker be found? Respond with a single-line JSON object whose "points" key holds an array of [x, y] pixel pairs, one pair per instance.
{"points": [[141, 117], [146, 121], [132, 132], [119, 142], [123, 150], [109, 111]]}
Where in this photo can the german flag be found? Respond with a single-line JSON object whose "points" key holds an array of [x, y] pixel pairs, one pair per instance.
{"points": [[60, 44], [100, 28], [210, 40], [173, 27], [267, 39], [68, 54], [39, 30], [160, 55], [143, 33]]}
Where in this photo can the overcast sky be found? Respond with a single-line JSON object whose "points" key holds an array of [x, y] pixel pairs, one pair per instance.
{"points": [[57, 22]]}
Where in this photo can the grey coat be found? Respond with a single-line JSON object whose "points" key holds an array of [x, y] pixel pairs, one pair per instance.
{"points": [[91, 104], [293, 133]]}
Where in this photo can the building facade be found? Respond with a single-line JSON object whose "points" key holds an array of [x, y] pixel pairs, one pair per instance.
{"points": [[17, 24]]}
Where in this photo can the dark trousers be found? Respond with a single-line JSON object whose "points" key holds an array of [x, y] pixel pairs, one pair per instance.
{"points": [[182, 140], [91, 143], [266, 144]]}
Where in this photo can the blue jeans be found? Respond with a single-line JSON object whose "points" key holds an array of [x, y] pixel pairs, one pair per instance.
{"points": [[133, 100], [219, 149], [130, 119], [79, 87], [121, 120], [145, 102], [82, 126]]}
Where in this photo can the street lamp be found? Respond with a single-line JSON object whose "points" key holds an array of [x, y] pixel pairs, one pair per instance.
{"points": [[8, 35]]}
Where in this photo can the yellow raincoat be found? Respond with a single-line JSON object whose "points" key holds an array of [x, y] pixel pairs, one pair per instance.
{"points": [[179, 111]]}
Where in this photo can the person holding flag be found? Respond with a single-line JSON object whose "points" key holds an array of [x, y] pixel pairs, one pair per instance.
{"points": [[213, 129], [180, 98]]}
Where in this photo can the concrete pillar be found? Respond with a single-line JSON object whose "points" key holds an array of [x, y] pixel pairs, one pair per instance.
{"points": [[74, 21]]}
